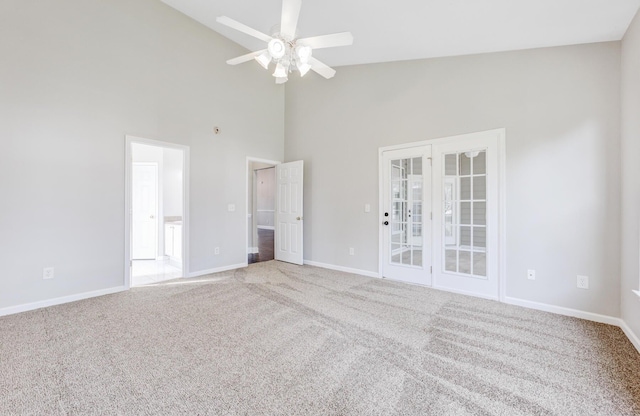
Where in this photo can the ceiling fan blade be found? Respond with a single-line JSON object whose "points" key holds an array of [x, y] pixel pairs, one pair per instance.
{"points": [[227, 21], [321, 68], [328, 41], [289, 22], [244, 58]]}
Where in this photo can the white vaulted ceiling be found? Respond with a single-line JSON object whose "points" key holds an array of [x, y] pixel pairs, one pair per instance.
{"points": [[413, 29]]}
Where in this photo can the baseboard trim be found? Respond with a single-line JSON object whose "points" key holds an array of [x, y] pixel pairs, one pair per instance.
{"points": [[630, 334], [217, 270], [11, 310], [252, 250], [265, 227], [341, 268], [560, 310]]}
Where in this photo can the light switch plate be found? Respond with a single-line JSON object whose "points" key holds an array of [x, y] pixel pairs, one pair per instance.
{"points": [[231, 207]]}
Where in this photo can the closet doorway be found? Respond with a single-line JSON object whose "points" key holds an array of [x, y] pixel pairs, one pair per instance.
{"points": [[261, 209]]}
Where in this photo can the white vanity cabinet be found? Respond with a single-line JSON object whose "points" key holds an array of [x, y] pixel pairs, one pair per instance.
{"points": [[173, 243]]}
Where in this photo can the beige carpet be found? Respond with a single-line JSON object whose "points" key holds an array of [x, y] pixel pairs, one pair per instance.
{"points": [[278, 339]]}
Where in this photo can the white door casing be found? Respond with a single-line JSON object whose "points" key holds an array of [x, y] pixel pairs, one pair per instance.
{"points": [[406, 215], [289, 212], [145, 211]]}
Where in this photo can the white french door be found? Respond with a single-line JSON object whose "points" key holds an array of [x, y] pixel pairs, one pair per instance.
{"points": [[406, 215], [144, 209], [466, 215], [289, 219]]}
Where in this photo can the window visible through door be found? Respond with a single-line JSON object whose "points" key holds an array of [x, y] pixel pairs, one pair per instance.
{"points": [[465, 213]]}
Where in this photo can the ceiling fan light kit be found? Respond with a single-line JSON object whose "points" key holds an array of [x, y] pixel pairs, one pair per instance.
{"points": [[281, 71], [284, 49], [264, 59], [304, 68], [276, 48]]}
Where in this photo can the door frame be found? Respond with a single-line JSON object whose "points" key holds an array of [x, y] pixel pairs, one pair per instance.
{"points": [[502, 201], [249, 160], [129, 140]]}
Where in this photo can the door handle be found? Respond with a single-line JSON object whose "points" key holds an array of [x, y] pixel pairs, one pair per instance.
{"points": [[385, 223], [299, 218], [152, 216]]}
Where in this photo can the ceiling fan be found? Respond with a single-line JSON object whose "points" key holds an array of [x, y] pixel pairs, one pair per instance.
{"points": [[284, 48]]}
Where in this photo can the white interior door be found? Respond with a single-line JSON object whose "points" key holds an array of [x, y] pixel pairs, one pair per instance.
{"points": [[466, 216], [144, 211], [406, 215], [289, 219]]}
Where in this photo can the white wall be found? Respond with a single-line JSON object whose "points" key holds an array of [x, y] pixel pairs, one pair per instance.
{"points": [[631, 176], [252, 205], [77, 76], [265, 197], [146, 153], [561, 110], [172, 182], [141, 153]]}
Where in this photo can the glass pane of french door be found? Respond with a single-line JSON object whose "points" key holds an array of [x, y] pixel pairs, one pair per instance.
{"points": [[407, 207], [406, 214], [464, 219]]}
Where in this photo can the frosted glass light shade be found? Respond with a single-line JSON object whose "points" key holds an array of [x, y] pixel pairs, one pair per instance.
{"points": [[304, 68], [264, 60], [281, 71], [303, 53]]}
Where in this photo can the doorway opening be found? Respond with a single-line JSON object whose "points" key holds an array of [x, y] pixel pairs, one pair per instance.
{"points": [[156, 219], [261, 210]]}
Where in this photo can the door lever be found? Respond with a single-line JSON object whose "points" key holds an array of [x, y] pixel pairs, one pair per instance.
{"points": [[385, 223]]}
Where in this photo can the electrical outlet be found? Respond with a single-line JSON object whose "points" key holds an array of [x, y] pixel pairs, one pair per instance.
{"points": [[352, 251], [48, 273], [531, 274], [583, 282], [216, 251]]}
